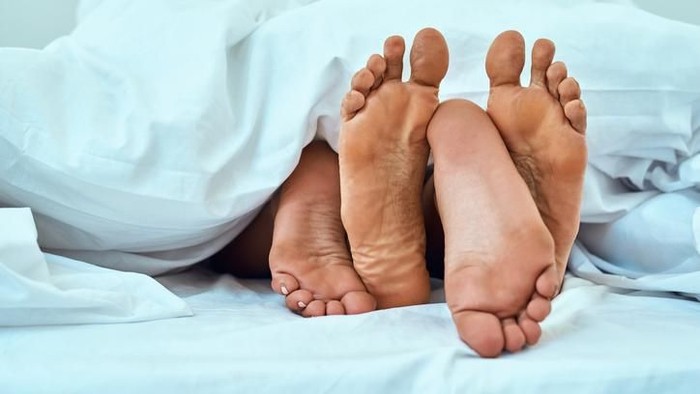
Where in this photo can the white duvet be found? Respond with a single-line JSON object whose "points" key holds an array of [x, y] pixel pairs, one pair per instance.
{"points": [[148, 138]]}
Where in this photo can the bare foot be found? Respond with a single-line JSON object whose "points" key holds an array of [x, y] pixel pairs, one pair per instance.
{"points": [[543, 126], [309, 259], [383, 154], [497, 249]]}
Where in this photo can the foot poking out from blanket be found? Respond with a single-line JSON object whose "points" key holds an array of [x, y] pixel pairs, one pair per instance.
{"points": [[499, 256], [543, 126], [383, 154], [309, 259]]}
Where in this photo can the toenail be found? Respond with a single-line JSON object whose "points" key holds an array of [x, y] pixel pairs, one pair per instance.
{"points": [[284, 289], [301, 304]]}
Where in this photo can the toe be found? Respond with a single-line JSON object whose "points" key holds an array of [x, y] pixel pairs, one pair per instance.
{"points": [[542, 56], [514, 336], [429, 58], [352, 102], [530, 328], [363, 81], [377, 65], [575, 111], [315, 308], [481, 331], [555, 74], [298, 300], [538, 308], [547, 284], [505, 59], [356, 302], [334, 307], [284, 284], [568, 91], [394, 48]]}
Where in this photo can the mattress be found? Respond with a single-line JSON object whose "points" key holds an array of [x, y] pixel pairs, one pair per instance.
{"points": [[242, 339]]}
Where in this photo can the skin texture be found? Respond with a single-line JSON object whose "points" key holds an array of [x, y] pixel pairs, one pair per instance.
{"points": [[298, 239], [543, 126], [496, 246], [501, 209], [383, 155], [497, 254]]}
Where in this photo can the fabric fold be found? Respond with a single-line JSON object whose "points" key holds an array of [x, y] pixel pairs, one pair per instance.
{"points": [[45, 289]]}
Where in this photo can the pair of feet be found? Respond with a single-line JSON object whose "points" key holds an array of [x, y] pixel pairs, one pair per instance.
{"points": [[507, 190]]}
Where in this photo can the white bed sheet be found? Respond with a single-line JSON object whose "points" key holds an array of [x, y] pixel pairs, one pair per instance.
{"points": [[242, 339]]}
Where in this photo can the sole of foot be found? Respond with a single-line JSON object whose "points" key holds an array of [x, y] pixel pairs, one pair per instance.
{"points": [[383, 155], [499, 256], [309, 259], [543, 126]]}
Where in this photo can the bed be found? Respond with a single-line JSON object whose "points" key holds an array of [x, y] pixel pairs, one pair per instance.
{"points": [[105, 215]]}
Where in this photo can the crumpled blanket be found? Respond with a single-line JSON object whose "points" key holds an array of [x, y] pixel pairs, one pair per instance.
{"points": [[149, 137]]}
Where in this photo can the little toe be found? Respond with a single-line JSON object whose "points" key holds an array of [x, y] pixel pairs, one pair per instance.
{"points": [[429, 58], [352, 102], [363, 81], [356, 302], [298, 300], [542, 56], [315, 308], [481, 331], [284, 284], [377, 65], [514, 336], [556, 73], [530, 328], [569, 90], [505, 59], [334, 307], [547, 284], [575, 111], [394, 48], [538, 308]]}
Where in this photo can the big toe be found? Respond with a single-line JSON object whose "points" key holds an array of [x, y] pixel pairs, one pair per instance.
{"points": [[429, 58], [506, 58], [481, 331]]}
